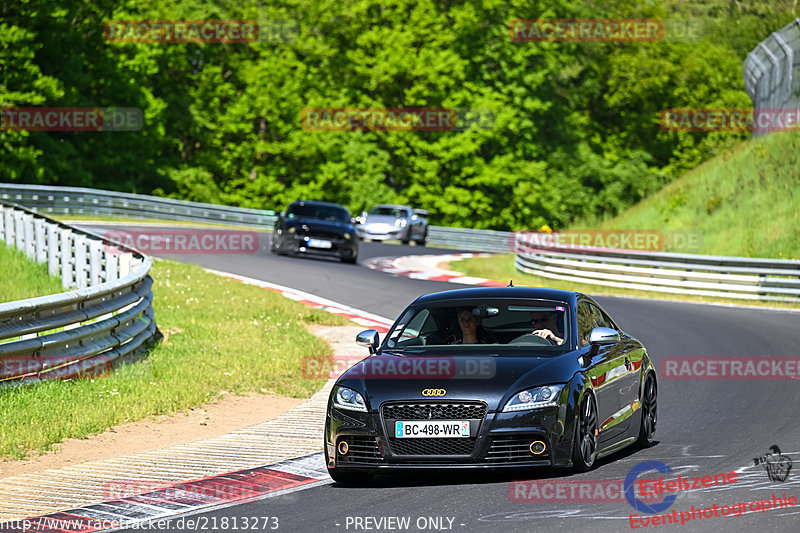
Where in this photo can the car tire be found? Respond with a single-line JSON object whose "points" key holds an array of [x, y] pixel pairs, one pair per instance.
{"points": [[423, 240], [584, 448], [647, 429]]}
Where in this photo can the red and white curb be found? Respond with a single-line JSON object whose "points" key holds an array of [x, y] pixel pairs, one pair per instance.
{"points": [[167, 506], [427, 267], [363, 318]]}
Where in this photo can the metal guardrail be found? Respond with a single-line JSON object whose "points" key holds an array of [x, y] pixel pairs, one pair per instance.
{"points": [[106, 318], [730, 277], [83, 201], [471, 239], [702, 275], [772, 71]]}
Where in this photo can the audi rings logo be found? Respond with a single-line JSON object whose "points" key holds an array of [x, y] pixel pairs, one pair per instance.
{"points": [[434, 392]]}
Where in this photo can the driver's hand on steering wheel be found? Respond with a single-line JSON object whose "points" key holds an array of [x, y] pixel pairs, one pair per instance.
{"points": [[549, 335]]}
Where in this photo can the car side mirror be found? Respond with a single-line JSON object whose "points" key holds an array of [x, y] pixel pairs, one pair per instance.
{"points": [[421, 212], [603, 336], [369, 339]]}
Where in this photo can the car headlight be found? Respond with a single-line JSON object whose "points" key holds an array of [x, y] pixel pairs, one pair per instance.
{"points": [[349, 399], [401, 222], [534, 398], [292, 229], [346, 235]]}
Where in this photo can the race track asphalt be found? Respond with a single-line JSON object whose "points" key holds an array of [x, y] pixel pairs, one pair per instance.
{"points": [[705, 427]]}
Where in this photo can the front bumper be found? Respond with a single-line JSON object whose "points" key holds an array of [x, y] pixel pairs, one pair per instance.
{"points": [[379, 232], [340, 247], [497, 440]]}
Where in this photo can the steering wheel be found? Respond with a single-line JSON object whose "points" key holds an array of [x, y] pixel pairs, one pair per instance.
{"points": [[530, 338]]}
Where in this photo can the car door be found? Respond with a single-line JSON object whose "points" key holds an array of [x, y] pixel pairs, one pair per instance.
{"points": [[607, 373]]}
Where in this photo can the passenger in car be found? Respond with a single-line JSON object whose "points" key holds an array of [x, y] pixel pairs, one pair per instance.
{"points": [[546, 326], [471, 330]]}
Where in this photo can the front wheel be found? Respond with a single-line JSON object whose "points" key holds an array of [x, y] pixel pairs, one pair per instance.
{"points": [[423, 239], [647, 430], [584, 449]]}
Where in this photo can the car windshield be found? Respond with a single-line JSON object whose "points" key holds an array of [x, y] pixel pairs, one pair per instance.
{"points": [[397, 212], [320, 212], [497, 326]]}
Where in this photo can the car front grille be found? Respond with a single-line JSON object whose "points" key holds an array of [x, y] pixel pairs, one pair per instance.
{"points": [[362, 450], [514, 449], [434, 411], [451, 446]]}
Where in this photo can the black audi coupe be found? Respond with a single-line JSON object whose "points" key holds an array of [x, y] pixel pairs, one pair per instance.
{"points": [[321, 228], [489, 378]]}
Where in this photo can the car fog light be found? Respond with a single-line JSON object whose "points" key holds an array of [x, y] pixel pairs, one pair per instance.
{"points": [[537, 447], [343, 448]]}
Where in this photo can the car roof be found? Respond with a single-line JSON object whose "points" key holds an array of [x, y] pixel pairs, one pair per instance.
{"points": [[316, 202], [392, 205], [500, 292]]}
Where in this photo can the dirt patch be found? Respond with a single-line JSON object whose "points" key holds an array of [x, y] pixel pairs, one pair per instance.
{"points": [[226, 414]]}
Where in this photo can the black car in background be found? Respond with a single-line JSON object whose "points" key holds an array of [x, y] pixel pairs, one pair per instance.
{"points": [[320, 228], [485, 378]]}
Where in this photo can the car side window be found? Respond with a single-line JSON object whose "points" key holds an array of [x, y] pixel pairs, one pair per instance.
{"points": [[602, 319], [585, 323]]}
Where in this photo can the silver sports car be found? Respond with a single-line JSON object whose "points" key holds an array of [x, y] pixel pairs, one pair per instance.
{"points": [[388, 221]]}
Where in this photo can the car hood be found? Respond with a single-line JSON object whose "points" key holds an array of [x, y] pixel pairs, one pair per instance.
{"points": [[493, 379], [316, 224], [381, 219]]}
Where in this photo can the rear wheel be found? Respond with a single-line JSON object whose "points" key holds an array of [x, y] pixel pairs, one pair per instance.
{"points": [[647, 430], [584, 449]]}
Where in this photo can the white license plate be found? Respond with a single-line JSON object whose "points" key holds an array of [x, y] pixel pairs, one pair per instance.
{"points": [[319, 243], [426, 429]]}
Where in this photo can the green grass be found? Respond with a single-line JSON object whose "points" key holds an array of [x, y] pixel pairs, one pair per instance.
{"points": [[743, 203], [221, 336], [501, 268], [22, 278]]}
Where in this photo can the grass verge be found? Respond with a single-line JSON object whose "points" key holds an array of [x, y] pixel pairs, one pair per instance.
{"points": [[501, 268], [745, 202], [22, 278], [220, 336]]}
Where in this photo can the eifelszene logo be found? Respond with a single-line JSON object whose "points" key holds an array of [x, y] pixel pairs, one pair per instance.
{"points": [[777, 465], [639, 504]]}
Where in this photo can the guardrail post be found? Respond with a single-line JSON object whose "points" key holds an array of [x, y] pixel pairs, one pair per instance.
{"points": [[95, 261], [27, 223], [66, 258], [8, 217], [19, 231], [38, 233], [112, 264], [52, 249], [80, 261], [125, 264]]}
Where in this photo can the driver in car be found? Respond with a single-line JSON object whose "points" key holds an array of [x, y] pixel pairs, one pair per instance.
{"points": [[546, 326]]}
